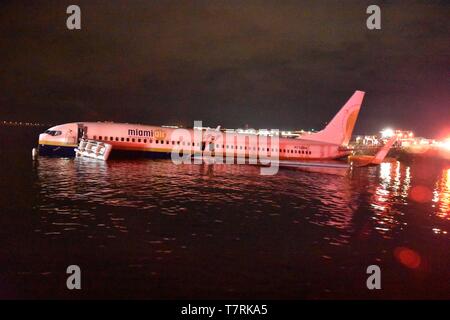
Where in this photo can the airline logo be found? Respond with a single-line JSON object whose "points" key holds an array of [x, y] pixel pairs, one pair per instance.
{"points": [[159, 134]]}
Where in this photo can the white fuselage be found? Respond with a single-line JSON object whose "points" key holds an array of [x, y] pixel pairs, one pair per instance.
{"points": [[163, 140]]}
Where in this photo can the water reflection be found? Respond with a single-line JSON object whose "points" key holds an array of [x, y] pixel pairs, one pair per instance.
{"points": [[390, 193], [442, 195], [85, 194], [165, 231]]}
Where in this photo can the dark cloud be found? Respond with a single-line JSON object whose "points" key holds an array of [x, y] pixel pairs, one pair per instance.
{"points": [[278, 64]]}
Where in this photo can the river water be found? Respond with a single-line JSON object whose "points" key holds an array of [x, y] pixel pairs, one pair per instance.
{"points": [[153, 230]]}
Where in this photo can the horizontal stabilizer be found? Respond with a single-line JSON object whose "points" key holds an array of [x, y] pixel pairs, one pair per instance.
{"points": [[382, 153]]}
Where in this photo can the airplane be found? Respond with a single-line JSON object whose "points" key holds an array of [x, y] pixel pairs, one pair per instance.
{"points": [[159, 141]]}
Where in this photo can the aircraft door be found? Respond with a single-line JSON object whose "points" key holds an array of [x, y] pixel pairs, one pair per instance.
{"points": [[82, 131], [212, 149]]}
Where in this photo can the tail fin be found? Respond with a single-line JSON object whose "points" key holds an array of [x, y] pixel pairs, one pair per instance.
{"points": [[339, 130], [382, 153]]}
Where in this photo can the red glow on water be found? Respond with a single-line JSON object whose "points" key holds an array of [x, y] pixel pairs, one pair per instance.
{"points": [[421, 194], [407, 257]]}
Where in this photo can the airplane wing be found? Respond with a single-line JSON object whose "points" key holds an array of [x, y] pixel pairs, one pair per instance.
{"points": [[381, 154], [362, 161]]}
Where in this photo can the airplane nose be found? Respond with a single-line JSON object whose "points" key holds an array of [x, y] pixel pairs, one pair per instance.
{"points": [[42, 137]]}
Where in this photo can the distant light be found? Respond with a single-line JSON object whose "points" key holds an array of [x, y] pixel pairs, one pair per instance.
{"points": [[446, 144], [387, 133]]}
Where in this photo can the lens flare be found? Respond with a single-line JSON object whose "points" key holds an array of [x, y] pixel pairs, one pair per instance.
{"points": [[407, 257], [421, 194]]}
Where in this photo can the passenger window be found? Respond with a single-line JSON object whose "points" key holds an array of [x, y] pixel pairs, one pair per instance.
{"points": [[122, 139], [139, 140], [100, 138], [128, 139]]}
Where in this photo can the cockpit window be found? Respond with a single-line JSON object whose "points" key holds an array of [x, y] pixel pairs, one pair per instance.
{"points": [[53, 132]]}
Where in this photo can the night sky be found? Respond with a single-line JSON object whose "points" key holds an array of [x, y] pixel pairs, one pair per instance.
{"points": [[265, 64]]}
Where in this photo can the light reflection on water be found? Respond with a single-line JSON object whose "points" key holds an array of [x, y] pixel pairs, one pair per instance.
{"points": [[151, 229], [76, 189], [391, 192], [226, 228], [442, 195]]}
